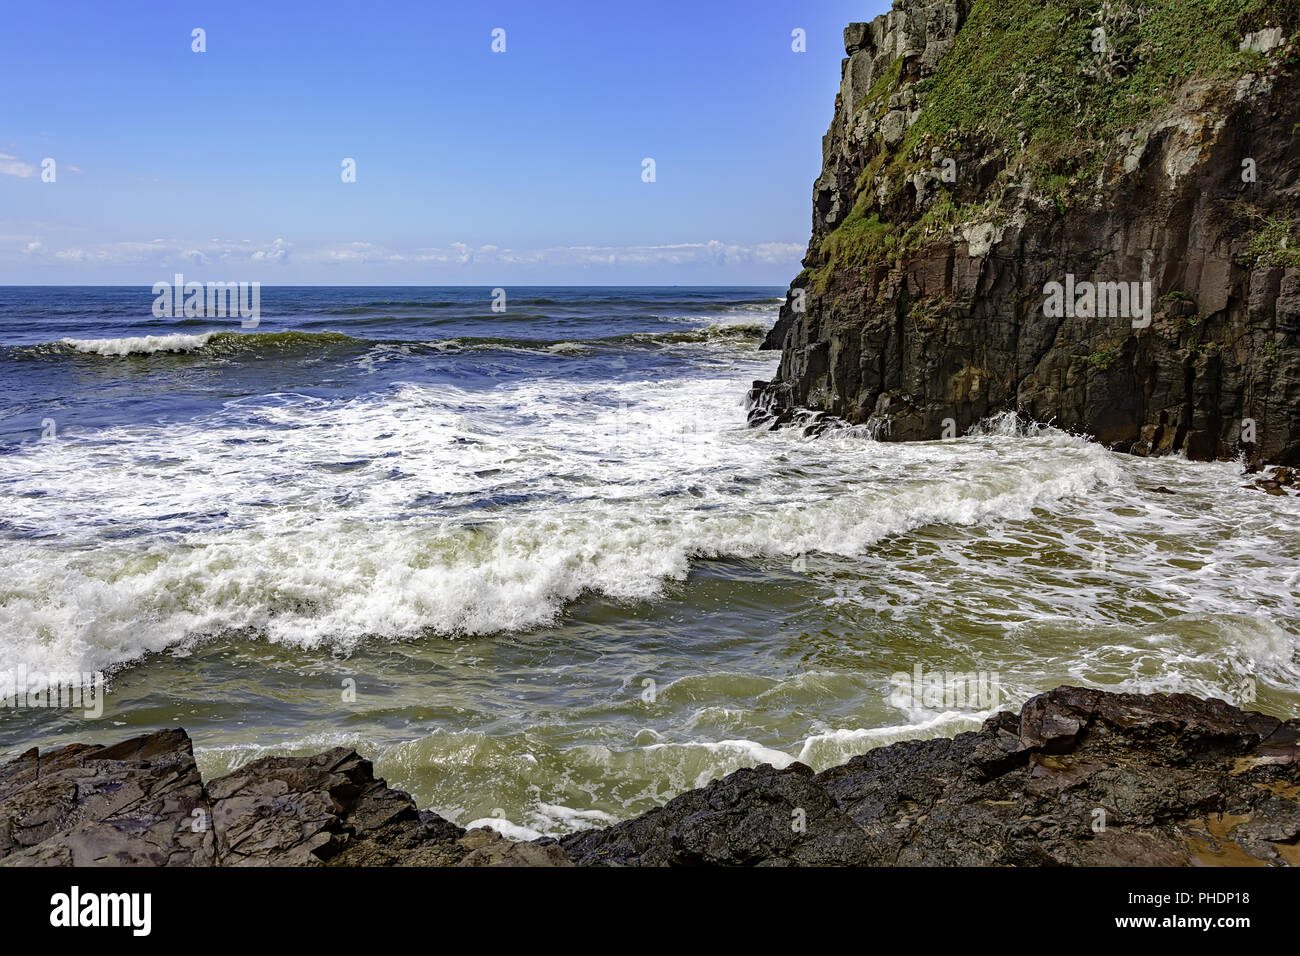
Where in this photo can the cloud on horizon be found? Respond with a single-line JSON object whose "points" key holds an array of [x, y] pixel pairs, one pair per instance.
{"points": [[165, 254]]}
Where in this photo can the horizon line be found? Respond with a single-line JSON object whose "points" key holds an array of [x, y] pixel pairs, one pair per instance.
{"points": [[315, 285]]}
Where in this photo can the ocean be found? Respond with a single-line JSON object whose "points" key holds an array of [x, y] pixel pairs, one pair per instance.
{"points": [[536, 566]]}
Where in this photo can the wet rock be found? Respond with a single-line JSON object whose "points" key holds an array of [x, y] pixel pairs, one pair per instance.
{"points": [[1280, 482], [1081, 778], [783, 418], [484, 847], [752, 817], [1000, 747], [142, 803], [131, 804], [305, 811]]}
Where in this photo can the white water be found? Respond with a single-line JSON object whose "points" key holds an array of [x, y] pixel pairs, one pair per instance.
{"points": [[141, 344], [433, 509], [323, 529]]}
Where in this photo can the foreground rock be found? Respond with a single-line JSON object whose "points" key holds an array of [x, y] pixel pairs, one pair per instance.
{"points": [[129, 804], [141, 803], [1080, 778]]}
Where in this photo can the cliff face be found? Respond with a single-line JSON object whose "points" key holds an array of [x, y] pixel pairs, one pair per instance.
{"points": [[1090, 217]]}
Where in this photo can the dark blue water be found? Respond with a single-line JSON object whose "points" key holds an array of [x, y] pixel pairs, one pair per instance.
{"points": [[66, 352]]}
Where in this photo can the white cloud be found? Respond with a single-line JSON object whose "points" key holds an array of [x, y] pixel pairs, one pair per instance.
{"points": [[712, 252], [354, 260], [278, 251], [13, 166], [165, 253]]}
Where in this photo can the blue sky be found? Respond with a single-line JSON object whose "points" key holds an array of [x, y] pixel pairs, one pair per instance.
{"points": [[472, 167]]}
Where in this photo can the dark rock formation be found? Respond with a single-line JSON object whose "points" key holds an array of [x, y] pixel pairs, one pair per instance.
{"points": [[286, 811], [130, 804], [1280, 481], [967, 166], [141, 803], [1081, 778]]}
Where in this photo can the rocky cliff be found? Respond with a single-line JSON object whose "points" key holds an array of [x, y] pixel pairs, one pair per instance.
{"points": [[1087, 211], [1080, 777]]}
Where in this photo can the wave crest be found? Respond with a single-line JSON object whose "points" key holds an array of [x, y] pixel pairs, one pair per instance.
{"points": [[227, 343]]}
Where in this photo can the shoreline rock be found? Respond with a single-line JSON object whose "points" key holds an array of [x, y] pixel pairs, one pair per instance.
{"points": [[1280, 481], [1080, 778]]}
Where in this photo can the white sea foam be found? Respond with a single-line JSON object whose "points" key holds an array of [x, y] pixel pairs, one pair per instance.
{"points": [[834, 747], [141, 345], [455, 512], [515, 831]]}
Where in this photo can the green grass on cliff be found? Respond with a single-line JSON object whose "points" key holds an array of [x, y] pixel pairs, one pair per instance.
{"points": [[1030, 64], [1023, 76], [887, 83], [866, 239], [1028, 67], [1275, 242]]}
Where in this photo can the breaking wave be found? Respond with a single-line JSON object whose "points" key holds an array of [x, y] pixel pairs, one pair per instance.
{"points": [[313, 523], [228, 343]]}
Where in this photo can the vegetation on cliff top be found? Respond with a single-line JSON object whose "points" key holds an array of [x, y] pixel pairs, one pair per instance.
{"points": [[1040, 69], [1034, 79]]}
